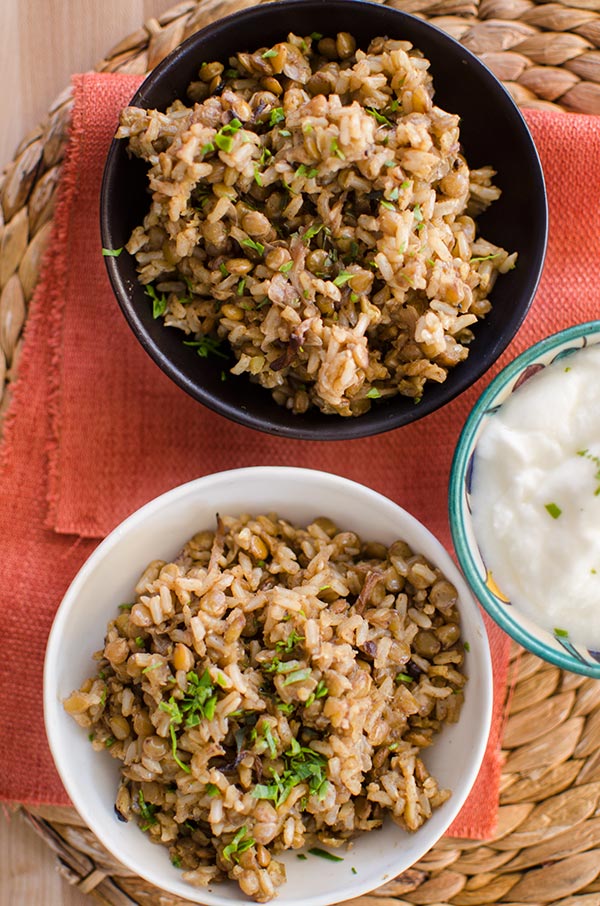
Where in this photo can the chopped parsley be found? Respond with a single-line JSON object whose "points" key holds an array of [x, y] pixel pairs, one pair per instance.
{"points": [[257, 176], [297, 676], [354, 871], [159, 302], [207, 148], [404, 678], [485, 258], [152, 666], [212, 789], [266, 154], [561, 633], [323, 854], [258, 247], [240, 287], [553, 510], [223, 269], [206, 346], [239, 844], [286, 268], [466, 646], [373, 394], [343, 278], [139, 641], [285, 707], [311, 232], [224, 137], [112, 253], [335, 149], [198, 702], [176, 861], [277, 116], [320, 692], [146, 811], [381, 119], [405, 184], [269, 53], [110, 742], [308, 172], [303, 765], [287, 645], [596, 460]]}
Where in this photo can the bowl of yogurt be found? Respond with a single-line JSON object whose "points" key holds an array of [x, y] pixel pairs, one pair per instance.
{"points": [[524, 499]]}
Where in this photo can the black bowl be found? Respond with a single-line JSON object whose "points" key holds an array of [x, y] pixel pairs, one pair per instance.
{"points": [[492, 132]]}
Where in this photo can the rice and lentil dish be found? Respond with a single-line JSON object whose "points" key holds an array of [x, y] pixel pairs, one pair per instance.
{"points": [[273, 687], [312, 208]]}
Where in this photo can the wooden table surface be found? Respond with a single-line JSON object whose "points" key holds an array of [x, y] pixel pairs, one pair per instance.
{"points": [[42, 42]]}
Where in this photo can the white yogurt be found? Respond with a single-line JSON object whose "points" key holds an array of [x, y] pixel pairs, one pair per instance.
{"points": [[536, 497]]}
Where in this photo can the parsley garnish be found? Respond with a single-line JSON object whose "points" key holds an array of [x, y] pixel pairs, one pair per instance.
{"points": [[297, 676], [207, 148], [561, 633], [373, 394], [109, 742], [320, 692], [596, 460], [252, 244], [257, 176], [381, 119], [176, 861], [553, 509], [159, 303], [317, 851], [277, 116], [212, 789], [286, 645], [286, 268], [405, 184], [404, 678], [343, 278], [240, 286], [484, 258], [309, 173], [285, 707], [223, 269], [223, 138], [112, 253], [269, 53], [238, 845], [206, 346], [146, 811], [303, 765], [335, 149], [311, 232]]}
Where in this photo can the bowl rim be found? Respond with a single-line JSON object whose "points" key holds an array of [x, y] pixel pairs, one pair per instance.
{"points": [[353, 887], [499, 613], [332, 428]]}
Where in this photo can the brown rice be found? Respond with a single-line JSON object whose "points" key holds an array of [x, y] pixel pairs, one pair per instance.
{"points": [[273, 686], [312, 208]]}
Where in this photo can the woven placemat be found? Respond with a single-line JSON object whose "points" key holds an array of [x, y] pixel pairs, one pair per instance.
{"points": [[546, 851]]}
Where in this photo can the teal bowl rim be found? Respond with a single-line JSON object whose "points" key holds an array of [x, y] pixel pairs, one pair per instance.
{"points": [[458, 470]]}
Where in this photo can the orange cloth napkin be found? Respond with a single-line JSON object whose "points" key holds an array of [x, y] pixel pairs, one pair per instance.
{"points": [[95, 429]]}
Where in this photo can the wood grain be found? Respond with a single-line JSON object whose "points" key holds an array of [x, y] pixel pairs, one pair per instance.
{"points": [[28, 869], [42, 42]]}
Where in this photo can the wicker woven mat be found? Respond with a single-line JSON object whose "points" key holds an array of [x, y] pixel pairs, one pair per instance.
{"points": [[547, 848]]}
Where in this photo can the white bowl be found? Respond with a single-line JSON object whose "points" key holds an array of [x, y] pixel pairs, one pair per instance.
{"points": [[158, 530]]}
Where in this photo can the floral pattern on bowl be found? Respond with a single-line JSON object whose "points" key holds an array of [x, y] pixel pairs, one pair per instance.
{"points": [[555, 647]]}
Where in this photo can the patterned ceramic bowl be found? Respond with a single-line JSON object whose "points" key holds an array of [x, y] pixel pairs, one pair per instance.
{"points": [[551, 646]]}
